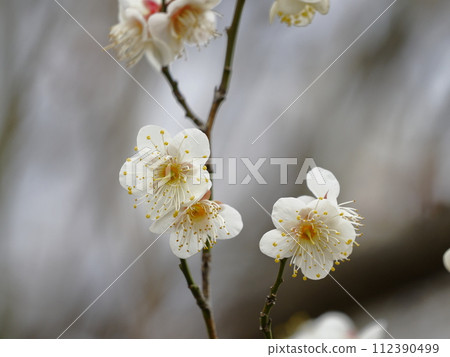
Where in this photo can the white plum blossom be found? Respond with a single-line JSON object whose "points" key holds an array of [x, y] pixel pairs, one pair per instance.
{"points": [[186, 21], [167, 174], [298, 12], [313, 232], [336, 324], [132, 38], [446, 259], [199, 226]]}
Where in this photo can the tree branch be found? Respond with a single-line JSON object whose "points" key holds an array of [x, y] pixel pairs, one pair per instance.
{"points": [[265, 322], [180, 97], [221, 92], [201, 302]]}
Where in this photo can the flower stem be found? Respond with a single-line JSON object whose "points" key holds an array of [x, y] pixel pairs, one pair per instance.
{"points": [[219, 97], [201, 302], [221, 91], [265, 322], [206, 260], [180, 97]]}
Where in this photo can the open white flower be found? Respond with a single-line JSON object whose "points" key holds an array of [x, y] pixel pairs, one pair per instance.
{"points": [[132, 37], [199, 226], [167, 173], [446, 259], [298, 12], [310, 231], [186, 21]]}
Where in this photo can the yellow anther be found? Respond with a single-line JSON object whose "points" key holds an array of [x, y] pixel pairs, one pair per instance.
{"points": [[175, 214], [162, 132], [333, 268], [148, 137], [135, 148], [166, 143], [280, 220], [147, 216], [305, 278], [274, 244], [318, 275], [186, 151]]}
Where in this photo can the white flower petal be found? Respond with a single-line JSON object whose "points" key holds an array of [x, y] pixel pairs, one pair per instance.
{"points": [[446, 259], [306, 199], [153, 137], [276, 244], [164, 223], [191, 145], [159, 26], [322, 183], [315, 263], [159, 54], [233, 222], [184, 247], [320, 5], [285, 212]]}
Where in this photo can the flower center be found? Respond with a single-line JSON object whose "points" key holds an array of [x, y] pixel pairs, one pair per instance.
{"points": [[305, 230], [172, 173], [185, 20], [197, 211]]}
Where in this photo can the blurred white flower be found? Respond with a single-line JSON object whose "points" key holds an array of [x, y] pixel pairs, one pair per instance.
{"points": [[167, 173], [132, 38], [446, 259], [198, 226], [298, 12], [335, 324], [186, 21], [313, 232]]}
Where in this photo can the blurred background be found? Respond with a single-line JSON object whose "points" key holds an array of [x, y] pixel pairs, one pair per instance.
{"points": [[378, 119]]}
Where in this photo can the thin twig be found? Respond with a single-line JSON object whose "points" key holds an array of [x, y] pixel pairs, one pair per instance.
{"points": [[265, 322], [206, 260], [221, 92], [219, 97], [201, 302], [180, 97]]}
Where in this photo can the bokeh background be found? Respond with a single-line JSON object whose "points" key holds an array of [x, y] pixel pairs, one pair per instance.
{"points": [[69, 115]]}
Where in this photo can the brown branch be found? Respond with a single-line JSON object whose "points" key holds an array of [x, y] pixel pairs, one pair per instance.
{"points": [[265, 322], [220, 93], [180, 97], [201, 302]]}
